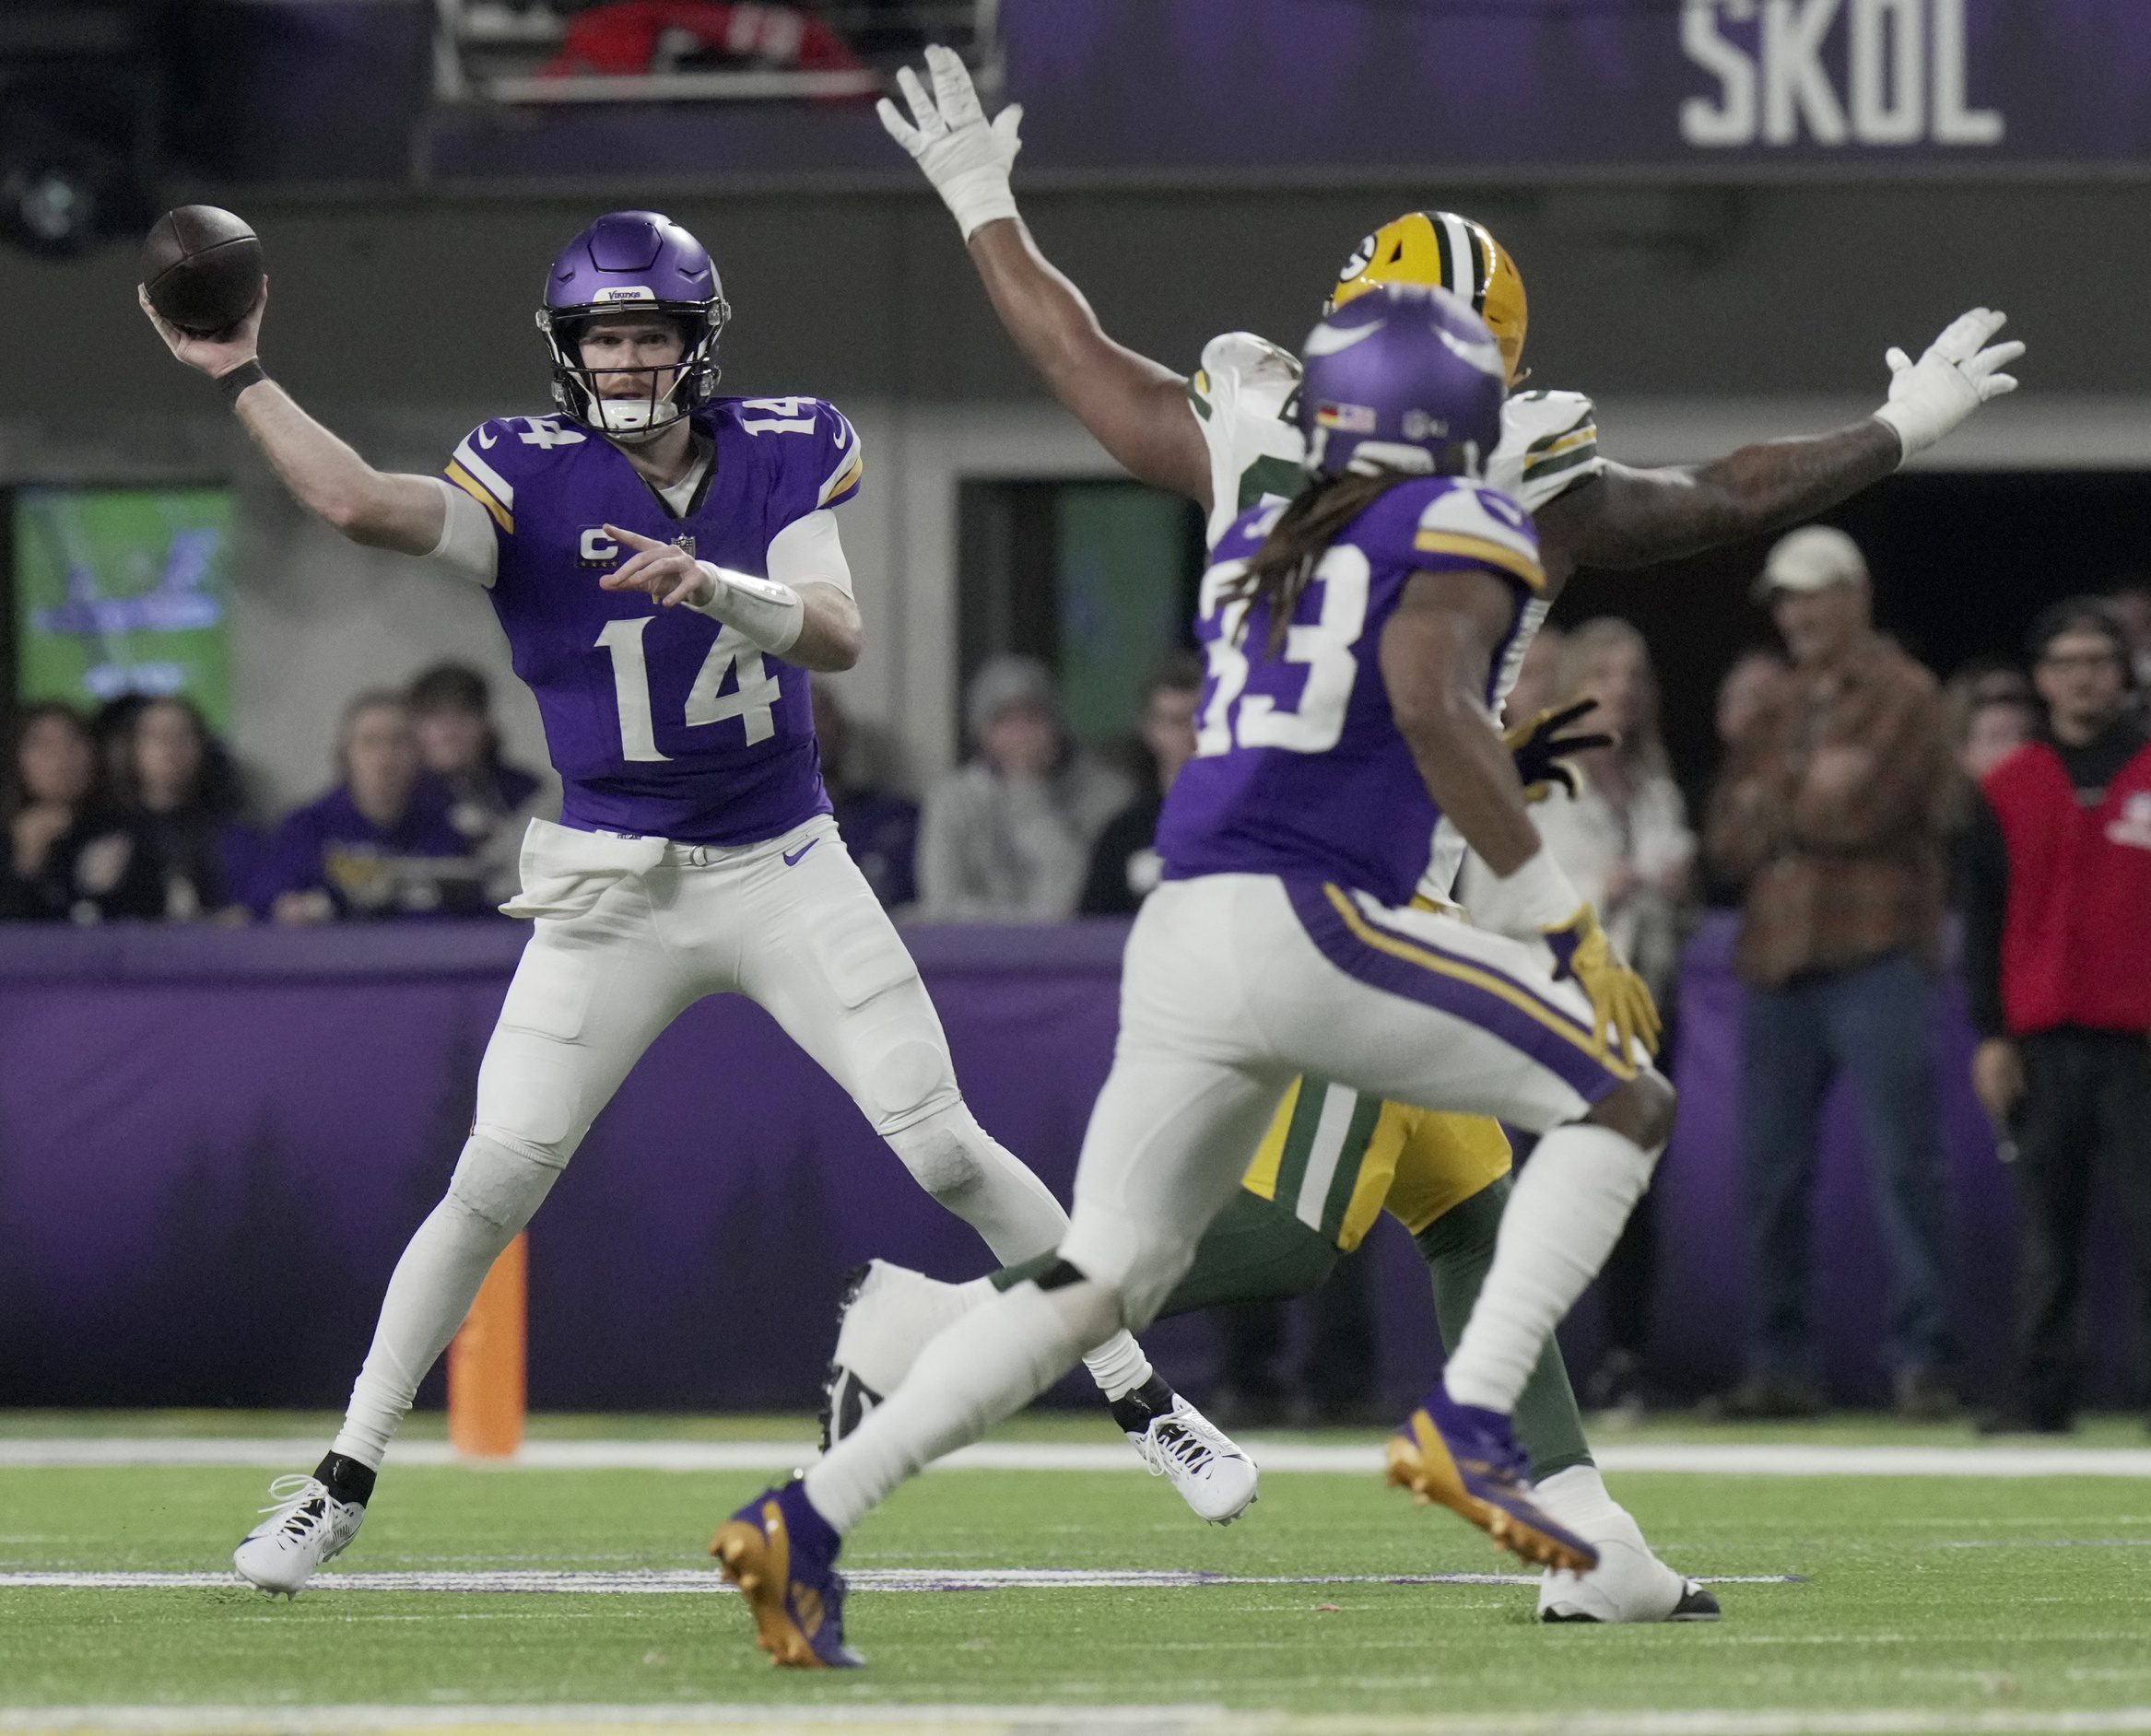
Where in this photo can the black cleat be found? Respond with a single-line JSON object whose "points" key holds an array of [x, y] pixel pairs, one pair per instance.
{"points": [[844, 1397], [1696, 1605]]}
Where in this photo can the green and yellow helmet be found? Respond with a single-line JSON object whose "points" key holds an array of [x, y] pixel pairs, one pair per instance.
{"points": [[1451, 252]]}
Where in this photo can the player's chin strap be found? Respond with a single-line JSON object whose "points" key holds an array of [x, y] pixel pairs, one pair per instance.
{"points": [[768, 614]]}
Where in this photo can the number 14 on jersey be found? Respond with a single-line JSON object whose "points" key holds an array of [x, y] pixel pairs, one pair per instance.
{"points": [[749, 701]]}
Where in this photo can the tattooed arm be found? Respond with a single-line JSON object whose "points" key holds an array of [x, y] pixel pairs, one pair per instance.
{"points": [[1635, 518]]}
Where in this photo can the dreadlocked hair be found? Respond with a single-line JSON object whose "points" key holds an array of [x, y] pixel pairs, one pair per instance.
{"points": [[1280, 570]]}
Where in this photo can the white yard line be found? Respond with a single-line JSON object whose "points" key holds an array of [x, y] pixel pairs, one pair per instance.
{"points": [[1033, 1721], [638, 1583], [1692, 1457]]}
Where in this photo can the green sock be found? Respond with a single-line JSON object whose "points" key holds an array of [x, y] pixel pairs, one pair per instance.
{"points": [[1458, 1248]]}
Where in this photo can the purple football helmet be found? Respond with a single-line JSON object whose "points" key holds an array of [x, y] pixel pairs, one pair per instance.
{"points": [[1404, 377], [633, 262]]}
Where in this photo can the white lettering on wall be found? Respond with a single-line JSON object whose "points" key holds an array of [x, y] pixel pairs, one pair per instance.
{"points": [[1729, 120], [1955, 122], [1795, 88], [1901, 74], [1889, 80]]}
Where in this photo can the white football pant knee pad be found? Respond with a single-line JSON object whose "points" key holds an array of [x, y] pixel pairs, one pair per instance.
{"points": [[502, 1185], [973, 1175]]}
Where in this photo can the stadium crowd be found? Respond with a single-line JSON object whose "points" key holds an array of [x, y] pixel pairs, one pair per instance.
{"points": [[138, 814], [1854, 800]]}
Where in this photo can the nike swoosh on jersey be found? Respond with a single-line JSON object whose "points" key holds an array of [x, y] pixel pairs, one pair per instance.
{"points": [[488, 441], [794, 857]]}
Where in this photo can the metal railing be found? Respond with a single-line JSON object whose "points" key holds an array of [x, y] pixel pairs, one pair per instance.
{"points": [[508, 53]]}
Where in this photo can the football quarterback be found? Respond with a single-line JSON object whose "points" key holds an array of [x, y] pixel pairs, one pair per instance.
{"points": [[1226, 436], [665, 564]]}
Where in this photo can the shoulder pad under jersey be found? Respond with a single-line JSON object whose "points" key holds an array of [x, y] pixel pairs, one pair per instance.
{"points": [[1448, 525], [1243, 397], [496, 456], [819, 458], [1549, 443]]}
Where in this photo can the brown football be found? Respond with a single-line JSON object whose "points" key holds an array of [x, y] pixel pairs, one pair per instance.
{"points": [[203, 269]]}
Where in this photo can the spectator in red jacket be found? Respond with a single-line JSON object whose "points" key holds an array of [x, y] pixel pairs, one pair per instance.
{"points": [[2057, 893]]}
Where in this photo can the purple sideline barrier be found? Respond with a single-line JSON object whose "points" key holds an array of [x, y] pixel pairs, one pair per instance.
{"points": [[214, 1144]]}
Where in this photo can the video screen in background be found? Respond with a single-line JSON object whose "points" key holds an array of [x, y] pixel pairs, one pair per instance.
{"points": [[124, 591]]}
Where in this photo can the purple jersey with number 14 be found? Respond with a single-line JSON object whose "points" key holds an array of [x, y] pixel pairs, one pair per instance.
{"points": [[1299, 768], [660, 721]]}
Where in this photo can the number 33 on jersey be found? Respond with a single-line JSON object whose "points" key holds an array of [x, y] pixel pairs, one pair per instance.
{"points": [[1298, 759], [659, 720]]}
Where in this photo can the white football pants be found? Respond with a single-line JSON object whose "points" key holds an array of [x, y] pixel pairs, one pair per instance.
{"points": [[629, 932], [1235, 984]]}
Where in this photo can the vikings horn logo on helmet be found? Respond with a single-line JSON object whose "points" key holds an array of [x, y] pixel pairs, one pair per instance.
{"points": [[1440, 250], [1405, 378]]}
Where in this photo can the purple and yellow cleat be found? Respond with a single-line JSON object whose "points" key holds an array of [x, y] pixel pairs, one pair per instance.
{"points": [[1467, 1459], [782, 1554]]}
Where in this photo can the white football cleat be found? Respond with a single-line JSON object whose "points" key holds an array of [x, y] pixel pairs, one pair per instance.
{"points": [[305, 1526], [1630, 1584], [889, 1314], [1213, 1477]]}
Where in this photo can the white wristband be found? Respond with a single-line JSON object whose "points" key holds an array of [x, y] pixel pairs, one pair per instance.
{"points": [[1894, 420], [978, 196], [769, 615], [1537, 897]]}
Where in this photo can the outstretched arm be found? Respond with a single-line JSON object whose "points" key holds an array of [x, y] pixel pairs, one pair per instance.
{"points": [[1632, 518], [324, 474], [1135, 407]]}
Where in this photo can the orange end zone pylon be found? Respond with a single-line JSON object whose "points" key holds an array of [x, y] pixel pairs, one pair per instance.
{"points": [[485, 1363]]}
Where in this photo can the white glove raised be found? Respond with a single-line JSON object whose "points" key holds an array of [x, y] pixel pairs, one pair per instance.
{"points": [[966, 158], [1929, 397]]}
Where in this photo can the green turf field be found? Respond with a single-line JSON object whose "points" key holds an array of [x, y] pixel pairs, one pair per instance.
{"points": [[1924, 1602]]}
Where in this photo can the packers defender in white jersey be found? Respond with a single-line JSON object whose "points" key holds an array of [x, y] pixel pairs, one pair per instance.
{"points": [[1225, 438]]}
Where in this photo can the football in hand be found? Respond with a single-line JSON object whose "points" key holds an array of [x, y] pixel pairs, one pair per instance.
{"points": [[203, 269]]}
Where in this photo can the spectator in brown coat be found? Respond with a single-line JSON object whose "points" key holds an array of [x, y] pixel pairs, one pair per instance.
{"points": [[1830, 814]]}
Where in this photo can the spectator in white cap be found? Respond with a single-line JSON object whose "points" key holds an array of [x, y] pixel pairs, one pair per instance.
{"points": [[1830, 814], [1006, 838]]}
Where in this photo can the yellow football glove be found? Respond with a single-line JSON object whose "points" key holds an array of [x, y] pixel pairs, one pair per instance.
{"points": [[1620, 1004], [1542, 753]]}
